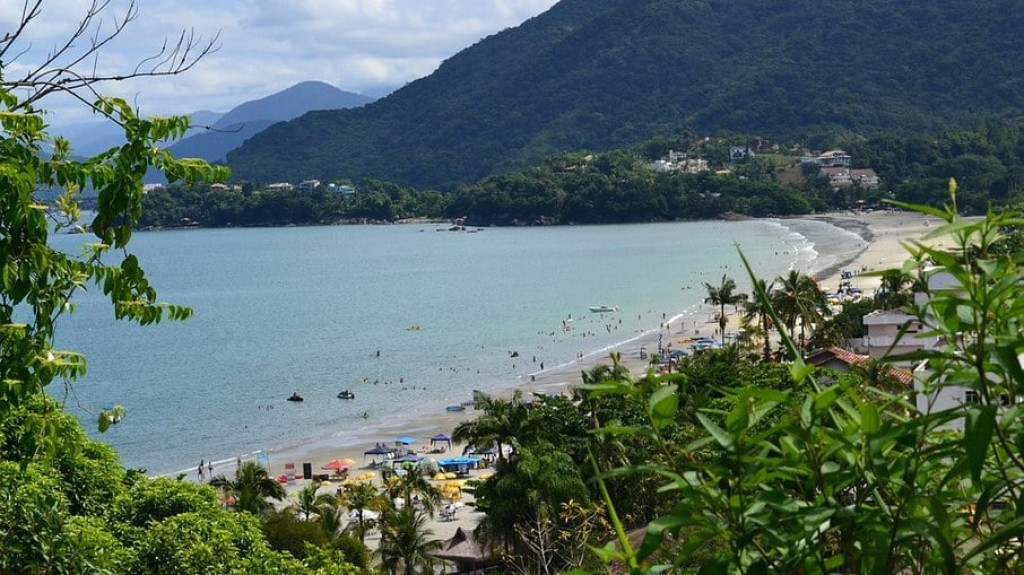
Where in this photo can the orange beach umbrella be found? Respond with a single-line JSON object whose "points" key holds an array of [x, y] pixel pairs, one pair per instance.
{"points": [[338, 465]]}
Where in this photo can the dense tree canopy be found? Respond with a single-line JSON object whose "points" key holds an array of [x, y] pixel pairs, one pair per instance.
{"points": [[609, 74]]}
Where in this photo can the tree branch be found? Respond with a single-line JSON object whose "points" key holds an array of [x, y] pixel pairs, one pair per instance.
{"points": [[61, 69]]}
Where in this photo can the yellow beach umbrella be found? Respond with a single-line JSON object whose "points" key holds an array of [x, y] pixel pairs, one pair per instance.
{"points": [[440, 476]]}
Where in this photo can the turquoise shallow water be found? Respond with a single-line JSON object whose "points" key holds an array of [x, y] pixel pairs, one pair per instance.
{"points": [[280, 310]]}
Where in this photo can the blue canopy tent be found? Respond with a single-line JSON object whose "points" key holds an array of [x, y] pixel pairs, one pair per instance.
{"points": [[408, 458], [441, 438], [379, 450]]}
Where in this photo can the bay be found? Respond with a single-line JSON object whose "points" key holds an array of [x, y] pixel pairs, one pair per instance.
{"points": [[307, 309]]}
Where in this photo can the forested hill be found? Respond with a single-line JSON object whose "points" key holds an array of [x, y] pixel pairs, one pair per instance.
{"points": [[603, 74]]}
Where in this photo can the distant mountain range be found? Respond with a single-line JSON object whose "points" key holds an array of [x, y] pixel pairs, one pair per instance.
{"points": [[603, 74], [223, 132], [242, 122]]}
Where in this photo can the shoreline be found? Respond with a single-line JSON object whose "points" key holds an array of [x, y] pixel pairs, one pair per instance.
{"points": [[881, 232]]}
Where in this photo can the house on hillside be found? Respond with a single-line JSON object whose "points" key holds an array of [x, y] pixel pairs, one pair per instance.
{"points": [[843, 361], [679, 162], [835, 159], [865, 178], [740, 153], [343, 190], [884, 340], [837, 177]]}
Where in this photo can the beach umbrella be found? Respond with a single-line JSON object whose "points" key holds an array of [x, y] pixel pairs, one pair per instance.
{"points": [[406, 440], [440, 476], [338, 465]]}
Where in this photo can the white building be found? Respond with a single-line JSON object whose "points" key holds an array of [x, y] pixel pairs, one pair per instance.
{"points": [[884, 339]]}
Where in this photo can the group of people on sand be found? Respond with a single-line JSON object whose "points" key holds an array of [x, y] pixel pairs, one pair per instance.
{"points": [[207, 466]]}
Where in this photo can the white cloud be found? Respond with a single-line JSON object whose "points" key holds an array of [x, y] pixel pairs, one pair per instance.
{"points": [[268, 45]]}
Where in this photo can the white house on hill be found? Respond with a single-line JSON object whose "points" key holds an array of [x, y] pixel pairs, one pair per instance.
{"points": [[884, 327]]}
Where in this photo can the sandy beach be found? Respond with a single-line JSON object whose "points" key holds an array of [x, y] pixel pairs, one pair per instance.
{"points": [[883, 233]]}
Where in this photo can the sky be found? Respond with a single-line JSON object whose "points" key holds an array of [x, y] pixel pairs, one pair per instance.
{"points": [[264, 46]]}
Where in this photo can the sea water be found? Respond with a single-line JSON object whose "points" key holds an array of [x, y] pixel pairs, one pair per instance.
{"points": [[409, 318]]}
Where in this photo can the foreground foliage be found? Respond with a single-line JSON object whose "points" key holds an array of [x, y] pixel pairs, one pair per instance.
{"points": [[844, 477], [67, 505]]}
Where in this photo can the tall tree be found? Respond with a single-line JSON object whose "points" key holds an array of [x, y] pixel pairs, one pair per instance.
{"points": [[406, 543], [533, 486], [798, 299], [502, 422], [308, 502], [251, 488], [894, 289], [414, 484], [361, 497], [757, 308], [722, 295]]}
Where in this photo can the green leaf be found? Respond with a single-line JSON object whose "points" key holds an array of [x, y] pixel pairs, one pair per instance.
{"points": [[739, 418], [870, 421], [800, 371], [719, 434], [663, 404], [608, 553], [981, 423]]}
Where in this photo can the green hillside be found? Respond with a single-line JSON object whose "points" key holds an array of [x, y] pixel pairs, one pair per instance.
{"points": [[604, 74]]}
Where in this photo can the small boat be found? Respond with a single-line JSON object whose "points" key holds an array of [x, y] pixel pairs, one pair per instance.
{"points": [[296, 397], [603, 309], [346, 395], [455, 408]]}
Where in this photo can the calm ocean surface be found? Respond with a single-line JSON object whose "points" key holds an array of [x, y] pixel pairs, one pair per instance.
{"points": [[279, 310]]}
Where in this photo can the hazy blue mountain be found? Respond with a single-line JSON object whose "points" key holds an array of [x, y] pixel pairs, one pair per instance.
{"points": [[243, 121], [292, 103], [604, 74], [205, 117], [94, 136], [379, 92]]}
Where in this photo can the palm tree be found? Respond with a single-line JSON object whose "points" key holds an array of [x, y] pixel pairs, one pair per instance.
{"points": [[894, 289], [502, 422], [251, 488], [405, 543], [308, 501], [361, 497], [723, 295], [414, 483], [330, 519], [798, 298], [757, 308]]}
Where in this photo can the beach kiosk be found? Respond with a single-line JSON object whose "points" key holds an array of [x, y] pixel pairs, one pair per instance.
{"points": [[460, 465]]}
